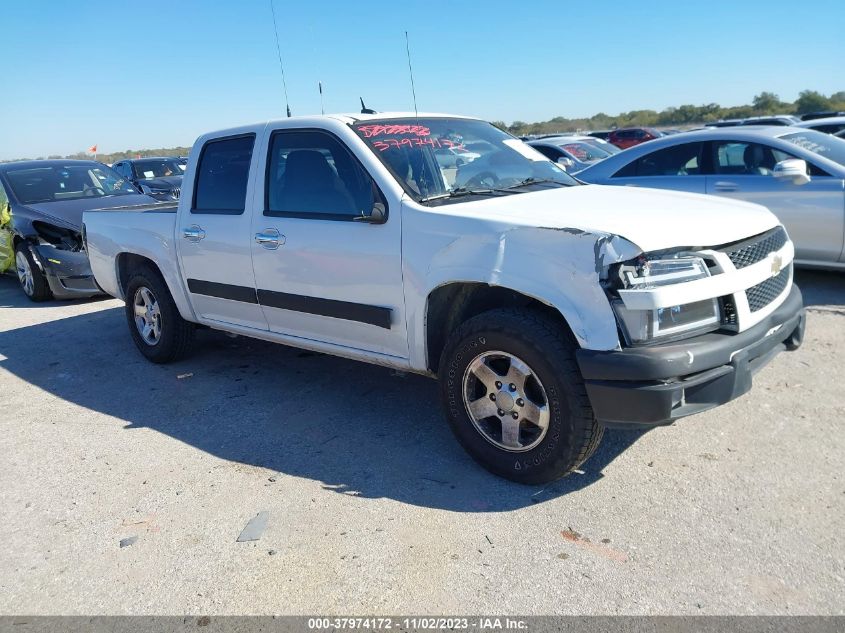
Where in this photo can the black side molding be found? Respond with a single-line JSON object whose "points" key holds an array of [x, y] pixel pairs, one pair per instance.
{"points": [[362, 313], [222, 291], [373, 315]]}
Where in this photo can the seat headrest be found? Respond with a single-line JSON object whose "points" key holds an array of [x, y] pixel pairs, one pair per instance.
{"points": [[308, 168]]}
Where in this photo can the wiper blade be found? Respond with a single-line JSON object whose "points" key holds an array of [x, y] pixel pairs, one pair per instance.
{"points": [[536, 181], [461, 192]]}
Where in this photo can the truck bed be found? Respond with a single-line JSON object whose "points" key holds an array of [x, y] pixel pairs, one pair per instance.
{"points": [[142, 230]]}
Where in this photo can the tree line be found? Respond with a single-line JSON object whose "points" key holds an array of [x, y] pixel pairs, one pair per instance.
{"points": [[765, 103], [113, 157]]}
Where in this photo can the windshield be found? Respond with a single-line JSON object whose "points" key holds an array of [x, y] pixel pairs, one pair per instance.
{"points": [[66, 182], [585, 152], [478, 158], [820, 143], [610, 148], [156, 168]]}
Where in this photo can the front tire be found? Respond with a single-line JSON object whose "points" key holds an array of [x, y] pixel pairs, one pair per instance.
{"points": [[159, 331], [514, 396], [32, 280]]}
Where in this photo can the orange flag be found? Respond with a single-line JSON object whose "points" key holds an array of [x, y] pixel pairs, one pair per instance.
{"points": [[93, 149]]}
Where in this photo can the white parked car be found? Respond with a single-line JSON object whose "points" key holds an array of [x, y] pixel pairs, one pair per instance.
{"points": [[454, 156], [828, 125], [547, 309]]}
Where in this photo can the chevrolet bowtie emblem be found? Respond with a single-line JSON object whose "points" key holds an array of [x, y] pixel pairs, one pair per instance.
{"points": [[777, 265]]}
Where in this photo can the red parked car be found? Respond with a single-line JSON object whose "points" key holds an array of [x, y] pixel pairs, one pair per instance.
{"points": [[631, 136]]}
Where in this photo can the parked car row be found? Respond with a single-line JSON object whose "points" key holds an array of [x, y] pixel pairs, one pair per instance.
{"points": [[779, 119], [160, 178]]}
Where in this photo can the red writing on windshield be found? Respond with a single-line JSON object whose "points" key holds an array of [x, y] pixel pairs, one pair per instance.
{"points": [[370, 131], [386, 143]]}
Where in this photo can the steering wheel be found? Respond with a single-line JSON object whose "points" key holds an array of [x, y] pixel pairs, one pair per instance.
{"points": [[484, 179], [90, 192]]}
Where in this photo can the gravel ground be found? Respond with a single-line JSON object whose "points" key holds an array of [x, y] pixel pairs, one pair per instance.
{"points": [[372, 506]]}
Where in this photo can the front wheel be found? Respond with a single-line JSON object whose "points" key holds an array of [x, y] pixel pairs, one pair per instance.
{"points": [[515, 398], [159, 331], [32, 280]]}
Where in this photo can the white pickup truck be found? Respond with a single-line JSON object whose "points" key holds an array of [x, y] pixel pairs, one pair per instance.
{"points": [[547, 308]]}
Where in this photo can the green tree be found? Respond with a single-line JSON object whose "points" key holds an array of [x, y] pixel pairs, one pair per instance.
{"points": [[768, 103], [837, 100], [811, 101]]}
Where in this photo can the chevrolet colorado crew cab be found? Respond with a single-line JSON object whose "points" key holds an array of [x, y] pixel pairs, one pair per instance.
{"points": [[546, 308]]}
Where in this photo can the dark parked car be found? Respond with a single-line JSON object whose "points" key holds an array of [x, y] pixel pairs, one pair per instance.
{"points": [[725, 123], [778, 119], [41, 205], [160, 178], [821, 115], [628, 137]]}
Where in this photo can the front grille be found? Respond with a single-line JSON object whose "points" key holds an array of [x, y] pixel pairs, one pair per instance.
{"points": [[176, 192], [757, 248], [764, 293]]}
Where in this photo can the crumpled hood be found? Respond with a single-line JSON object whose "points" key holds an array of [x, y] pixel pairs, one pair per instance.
{"points": [[164, 182], [653, 219], [69, 212]]}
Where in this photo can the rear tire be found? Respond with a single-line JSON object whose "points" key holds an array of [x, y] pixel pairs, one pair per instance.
{"points": [[159, 331], [533, 423], [32, 280]]}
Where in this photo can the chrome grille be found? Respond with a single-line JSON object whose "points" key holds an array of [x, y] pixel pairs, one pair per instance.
{"points": [[751, 251], [764, 293], [176, 192]]}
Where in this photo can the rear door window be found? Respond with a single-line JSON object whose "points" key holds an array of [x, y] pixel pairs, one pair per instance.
{"points": [[222, 176]]}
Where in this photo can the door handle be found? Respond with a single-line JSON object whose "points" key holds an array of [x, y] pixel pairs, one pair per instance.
{"points": [[193, 233], [270, 239], [725, 186]]}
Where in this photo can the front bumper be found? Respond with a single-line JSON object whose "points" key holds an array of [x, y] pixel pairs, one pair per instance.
{"points": [[68, 273], [657, 385]]}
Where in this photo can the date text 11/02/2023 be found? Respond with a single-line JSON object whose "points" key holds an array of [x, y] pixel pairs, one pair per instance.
{"points": [[418, 623]]}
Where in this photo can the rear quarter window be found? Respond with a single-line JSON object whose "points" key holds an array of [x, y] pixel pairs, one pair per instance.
{"points": [[222, 176]]}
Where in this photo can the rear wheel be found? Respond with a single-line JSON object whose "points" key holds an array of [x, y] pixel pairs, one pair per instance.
{"points": [[159, 331], [32, 280], [515, 398]]}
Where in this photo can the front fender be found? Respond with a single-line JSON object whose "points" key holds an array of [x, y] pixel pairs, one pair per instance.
{"points": [[558, 267]]}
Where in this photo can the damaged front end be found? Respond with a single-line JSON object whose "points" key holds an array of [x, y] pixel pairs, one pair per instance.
{"points": [[60, 255], [697, 324]]}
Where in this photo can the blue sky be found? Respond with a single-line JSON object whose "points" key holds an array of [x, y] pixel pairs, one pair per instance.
{"points": [[153, 73]]}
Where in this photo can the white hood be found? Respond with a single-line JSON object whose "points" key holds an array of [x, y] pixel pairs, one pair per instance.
{"points": [[653, 219]]}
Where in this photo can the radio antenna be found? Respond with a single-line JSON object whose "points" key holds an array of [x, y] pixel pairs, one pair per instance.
{"points": [[279, 52], [411, 72], [320, 86]]}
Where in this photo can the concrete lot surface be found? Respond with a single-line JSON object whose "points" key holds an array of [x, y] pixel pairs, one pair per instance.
{"points": [[372, 507]]}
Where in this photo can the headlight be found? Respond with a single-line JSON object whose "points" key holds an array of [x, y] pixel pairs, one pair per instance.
{"points": [[647, 326]]}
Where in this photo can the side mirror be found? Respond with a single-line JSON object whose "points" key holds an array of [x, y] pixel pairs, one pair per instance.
{"points": [[377, 215], [792, 169], [566, 163]]}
